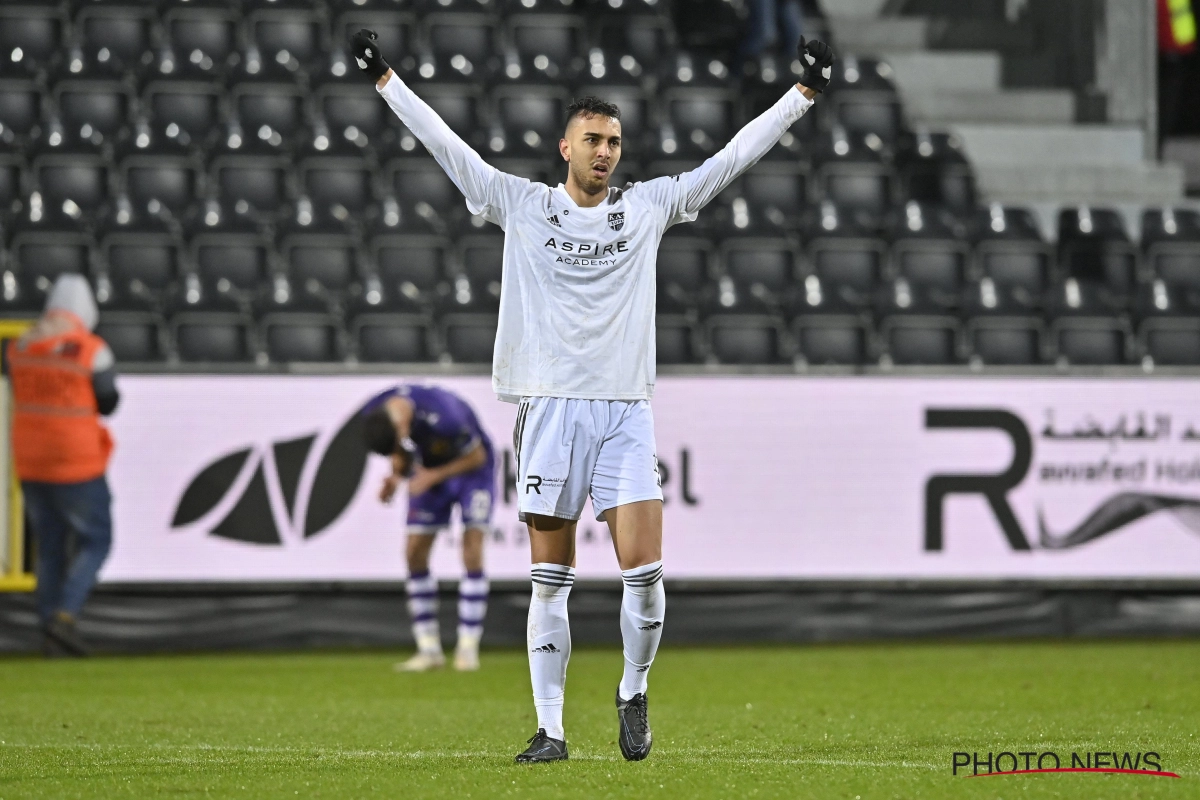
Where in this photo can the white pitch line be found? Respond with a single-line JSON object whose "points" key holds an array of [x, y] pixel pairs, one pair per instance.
{"points": [[667, 754]]}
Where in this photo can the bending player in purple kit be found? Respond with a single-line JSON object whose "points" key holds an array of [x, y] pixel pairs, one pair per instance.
{"points": [[435, 442]]}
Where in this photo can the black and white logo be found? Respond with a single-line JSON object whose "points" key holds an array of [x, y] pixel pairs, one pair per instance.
{"points": [[616, 220], [546, 648], [274, 492], [1113, 513], [553, 220], [653, 626]]}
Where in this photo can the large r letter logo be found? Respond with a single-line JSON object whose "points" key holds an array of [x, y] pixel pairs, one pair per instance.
{"points": [[994, 487]]}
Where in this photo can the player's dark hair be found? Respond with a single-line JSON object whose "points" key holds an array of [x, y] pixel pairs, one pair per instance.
{"points": [[592, 106], [379, 434]]}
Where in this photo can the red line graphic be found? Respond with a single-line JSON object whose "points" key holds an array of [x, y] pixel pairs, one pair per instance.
{"points": [[1078, 769]]}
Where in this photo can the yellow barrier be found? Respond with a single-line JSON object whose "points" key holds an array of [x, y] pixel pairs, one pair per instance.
{"points": [[13, 578]]}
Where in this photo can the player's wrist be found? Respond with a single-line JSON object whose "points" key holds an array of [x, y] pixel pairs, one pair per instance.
{"points": [[811, 94], [387, 76]]}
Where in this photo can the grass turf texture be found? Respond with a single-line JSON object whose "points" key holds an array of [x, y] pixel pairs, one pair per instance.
{"points": [[839, 721]]}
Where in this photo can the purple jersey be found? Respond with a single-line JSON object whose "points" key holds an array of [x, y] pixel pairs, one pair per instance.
{"points": [[443, 426]]}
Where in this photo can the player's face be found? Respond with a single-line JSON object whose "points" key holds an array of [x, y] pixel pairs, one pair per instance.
{"points": [[592, 147]]}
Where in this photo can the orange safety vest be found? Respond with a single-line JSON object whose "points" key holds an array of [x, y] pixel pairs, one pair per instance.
{"points": [[57, 435]]}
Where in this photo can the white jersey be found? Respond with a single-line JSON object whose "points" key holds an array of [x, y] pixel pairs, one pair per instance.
{"points": [[577, 295]]}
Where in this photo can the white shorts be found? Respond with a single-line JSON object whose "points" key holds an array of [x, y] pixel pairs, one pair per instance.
{"points": [[568, 448]]}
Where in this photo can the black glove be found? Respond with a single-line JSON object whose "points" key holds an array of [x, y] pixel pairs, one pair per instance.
{"points": [[365, 49], [817, 59]]}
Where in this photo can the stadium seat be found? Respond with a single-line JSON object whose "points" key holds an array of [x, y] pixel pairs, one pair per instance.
{"points": [[240, 259], [1171, 239], [778, 185], [192, 107], [469, 338], [1015, 264], [1169, 327], [81, 178], [856, 185], [934, 172], [1093, 246], [481, 257], [259, 180], [290, 337], [283, 34], [923, 340], [20, 105], [421, 180], [40, 256], [770, 262], [35, 28], [88, 106], [931, 262], [1095, 341], [868, 111], [345, 107], [704, 117], [674, 340], [123, 28], [1173, 342], [684, 260], [852, 261], [1005, 341], [388, 327], [830, 340], [169, 179], [324, 253], [199, 32], [645, 38], [391, 341], [209, 338], [276, 104], [536, 109], [557, 37], [133, 336], [414, 258], [149, 257], [467, 35], [12, 168], [337, 180], [748, 339]]}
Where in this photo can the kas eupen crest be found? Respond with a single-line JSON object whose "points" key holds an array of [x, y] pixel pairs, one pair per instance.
{"points": [[616, 220]]}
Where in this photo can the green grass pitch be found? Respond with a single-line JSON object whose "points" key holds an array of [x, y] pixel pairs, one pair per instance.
{"points": [[831, 721]]}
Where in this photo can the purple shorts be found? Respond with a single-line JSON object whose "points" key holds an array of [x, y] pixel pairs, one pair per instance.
{"points": [[473, 492]]}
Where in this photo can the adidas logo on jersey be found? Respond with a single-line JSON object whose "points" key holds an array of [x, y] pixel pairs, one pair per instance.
{"points": [[546, 648], [653, 626], [553, 220]]}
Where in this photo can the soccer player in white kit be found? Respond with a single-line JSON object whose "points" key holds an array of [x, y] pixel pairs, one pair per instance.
{"points": [[575, 348]]}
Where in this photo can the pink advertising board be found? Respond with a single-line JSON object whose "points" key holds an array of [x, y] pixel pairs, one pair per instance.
{"points": [[246, 478]]}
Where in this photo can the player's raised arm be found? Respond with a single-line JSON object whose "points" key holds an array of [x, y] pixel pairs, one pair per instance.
{"points": [[759, 135], [481, 183]]}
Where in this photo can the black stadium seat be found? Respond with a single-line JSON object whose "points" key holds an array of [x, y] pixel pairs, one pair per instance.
{"points": [[132, 335], [304, 337], [211, 337], [123, 28], [35, 28], [101, 105], [207, 31], [80, 178]]}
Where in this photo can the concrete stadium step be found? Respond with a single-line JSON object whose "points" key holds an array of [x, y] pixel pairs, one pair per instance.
{"points": [[936, 109], [871, 36], [1056, 145], [945, 71], [1096, 184]]}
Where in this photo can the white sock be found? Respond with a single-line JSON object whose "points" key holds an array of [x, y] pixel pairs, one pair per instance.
{"points": [[472, 608], [422, 609], [548, 636], [643, 605]]}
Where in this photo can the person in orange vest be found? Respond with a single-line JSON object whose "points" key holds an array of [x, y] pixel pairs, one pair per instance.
{"points": [[63, 379]]}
